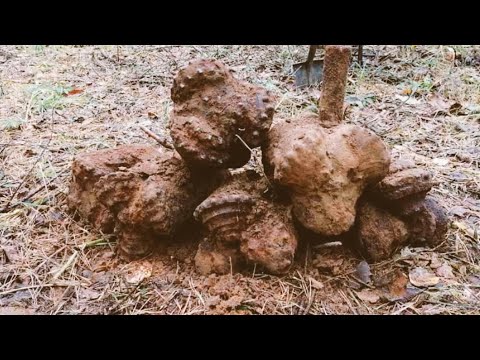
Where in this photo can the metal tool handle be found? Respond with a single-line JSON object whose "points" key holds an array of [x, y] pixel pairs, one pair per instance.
{"points": [[311, 53]]}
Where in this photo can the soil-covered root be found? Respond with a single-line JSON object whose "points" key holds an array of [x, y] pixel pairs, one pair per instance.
{"points": [[428, 226], [211, 110], [324, 170], [140, 192], [237, 216], [379, 232]]}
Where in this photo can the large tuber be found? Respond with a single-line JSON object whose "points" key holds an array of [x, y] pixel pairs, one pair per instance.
{"points": [[324, 170], [211, 108], [236, 216], [140, 192]]}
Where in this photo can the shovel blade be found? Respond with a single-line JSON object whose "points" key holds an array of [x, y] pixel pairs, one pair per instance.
{"points": [[308, 74]]}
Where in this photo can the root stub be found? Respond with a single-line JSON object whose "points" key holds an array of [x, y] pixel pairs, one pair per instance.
{"points": [[337, 61]]}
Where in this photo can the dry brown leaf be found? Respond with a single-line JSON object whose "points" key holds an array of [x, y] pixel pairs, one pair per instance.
{"points": [[316, 284], [435, 261], [368, 295], [445, 271], [137, 271], [74, 92], [421, 277]]}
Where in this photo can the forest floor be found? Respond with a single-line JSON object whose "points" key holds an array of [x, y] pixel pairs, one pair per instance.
{"points": [[58, 101]]}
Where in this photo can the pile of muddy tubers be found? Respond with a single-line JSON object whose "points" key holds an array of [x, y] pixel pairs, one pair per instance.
{"points": [[319, 176]]}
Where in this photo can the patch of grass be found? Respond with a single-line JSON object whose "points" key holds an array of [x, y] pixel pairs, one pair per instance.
{"points": [[11, 124], [46, 172], [45, 97], [39, 49]]}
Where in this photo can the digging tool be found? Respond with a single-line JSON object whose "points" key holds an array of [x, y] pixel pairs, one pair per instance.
{"points": [[309, 72]]}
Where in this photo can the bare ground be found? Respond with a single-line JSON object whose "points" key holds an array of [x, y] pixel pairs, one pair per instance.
{"points": [[58, 101]]}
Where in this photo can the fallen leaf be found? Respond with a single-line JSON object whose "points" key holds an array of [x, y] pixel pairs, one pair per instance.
{"points": [[363, 272], [152, 115], [370, 296], [440, 161], [435, 261], [74, 92], [421, 277], [315, 283], [137, 271], [408, 100], [449, 53], [445, 271]]}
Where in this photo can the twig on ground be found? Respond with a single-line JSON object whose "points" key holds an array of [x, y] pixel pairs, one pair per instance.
{"points": [[157, 138]]}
